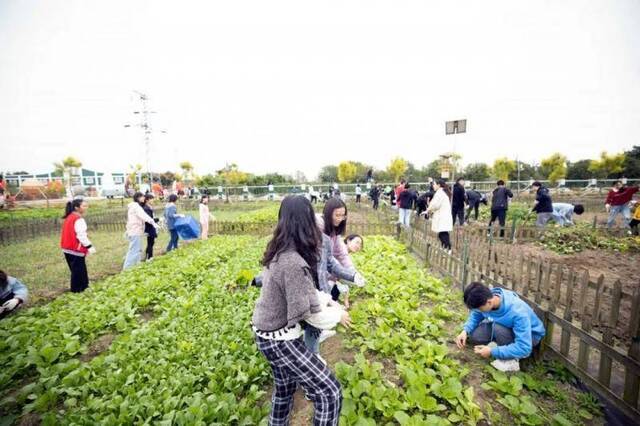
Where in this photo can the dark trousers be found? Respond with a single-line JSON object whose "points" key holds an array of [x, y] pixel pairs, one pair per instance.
{"points": [[634, 226], [79, 275], [375, 203], [149, 251], [314, 199], [488, 331], [444, 240], [173, 241], [501, 215], [475, 207], [458, 212], [358, 196]]}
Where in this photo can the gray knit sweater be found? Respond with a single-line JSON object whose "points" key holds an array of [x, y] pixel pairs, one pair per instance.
{"points": [[288, 294]]}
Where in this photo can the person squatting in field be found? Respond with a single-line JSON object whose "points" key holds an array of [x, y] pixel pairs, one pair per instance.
{"points": [[13, 294], [474, 199], [288, 302], [75, 243], [353, 243], [501, 325], [333, 224], [563, 213]]}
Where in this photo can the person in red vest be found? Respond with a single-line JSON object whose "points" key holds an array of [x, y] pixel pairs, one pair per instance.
{"points": [[75, 243], [617, 202]]}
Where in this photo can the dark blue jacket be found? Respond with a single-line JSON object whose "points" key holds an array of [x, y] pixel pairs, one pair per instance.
{"points": [[459, 196], [544, 204], [148, 228]]}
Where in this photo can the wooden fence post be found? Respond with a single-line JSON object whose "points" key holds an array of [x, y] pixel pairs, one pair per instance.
{"points": [[604, 375], [583, 349], [631, 380]]}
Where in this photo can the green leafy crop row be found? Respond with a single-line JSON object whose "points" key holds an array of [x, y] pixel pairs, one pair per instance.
{"points": [[268, 214], [195, 363], [402, 319]]}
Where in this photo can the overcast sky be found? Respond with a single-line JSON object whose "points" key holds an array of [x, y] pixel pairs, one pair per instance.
{"points": [[294, 85]]}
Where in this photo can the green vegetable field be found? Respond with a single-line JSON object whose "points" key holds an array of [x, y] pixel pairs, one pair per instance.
{"points": [[169, 342]]}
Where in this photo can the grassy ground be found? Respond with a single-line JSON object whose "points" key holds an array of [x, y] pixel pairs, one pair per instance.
{"points": [[41, 266]]}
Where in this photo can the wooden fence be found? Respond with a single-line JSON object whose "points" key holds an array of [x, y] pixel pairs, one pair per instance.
{"points": [[593, 325]]}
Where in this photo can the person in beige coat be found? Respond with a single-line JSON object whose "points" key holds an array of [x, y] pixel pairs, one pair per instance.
{"points": [[440, 212]]}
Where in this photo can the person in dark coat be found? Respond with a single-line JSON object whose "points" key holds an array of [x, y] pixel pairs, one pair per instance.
{"points": [[543, 205], [458, 200], [375, 196], [500, 205], [474, 199], [150, 230], [406, 201], [422, 203]]}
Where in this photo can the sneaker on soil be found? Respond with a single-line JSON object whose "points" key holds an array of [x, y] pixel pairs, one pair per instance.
{"points": [[506, 365], [326, 334]]}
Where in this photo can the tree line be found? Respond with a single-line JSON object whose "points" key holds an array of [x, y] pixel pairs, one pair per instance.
{"points": [[552, 168]]}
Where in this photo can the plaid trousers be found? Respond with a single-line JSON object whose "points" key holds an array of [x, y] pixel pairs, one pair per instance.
{"points": [[294, 365]]}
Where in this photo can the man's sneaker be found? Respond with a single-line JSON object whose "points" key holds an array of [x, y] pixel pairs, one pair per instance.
{"points": [[325, 335], [506, 365]]}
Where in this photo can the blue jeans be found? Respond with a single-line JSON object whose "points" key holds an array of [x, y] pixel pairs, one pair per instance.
{"points": [[134, 251], [624, 210], [404, 217], [312, 339], [173, 241]]}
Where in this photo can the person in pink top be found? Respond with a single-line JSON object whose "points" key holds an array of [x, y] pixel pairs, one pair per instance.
{"points": [[136, 218], [205, 215]]}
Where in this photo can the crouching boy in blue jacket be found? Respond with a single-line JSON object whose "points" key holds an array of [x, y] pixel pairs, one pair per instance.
{"points": [[501, 325]]}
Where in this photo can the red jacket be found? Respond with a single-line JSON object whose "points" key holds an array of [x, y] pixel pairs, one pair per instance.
{"points": [[69, 241], [621, 198]]}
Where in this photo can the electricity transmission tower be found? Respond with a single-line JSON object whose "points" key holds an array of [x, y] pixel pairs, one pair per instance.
{"points": [[146, 128]]}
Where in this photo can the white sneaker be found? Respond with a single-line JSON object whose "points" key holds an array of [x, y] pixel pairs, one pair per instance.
{"points": [[325, 334], [506, 365], [321, 359]]}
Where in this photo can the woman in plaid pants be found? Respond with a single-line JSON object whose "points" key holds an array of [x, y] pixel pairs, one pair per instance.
{"points": [[288, 302]]}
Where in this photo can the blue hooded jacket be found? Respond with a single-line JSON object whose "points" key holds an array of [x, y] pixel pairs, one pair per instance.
{"points": [[514, 313]]}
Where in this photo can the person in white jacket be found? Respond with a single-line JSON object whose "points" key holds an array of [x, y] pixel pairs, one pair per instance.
{"points": [[205, 216], [136, 218], [440, 211]]}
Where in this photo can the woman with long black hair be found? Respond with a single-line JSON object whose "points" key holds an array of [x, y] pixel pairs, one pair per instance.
{"points": [[440, 211], [288, 299], [75, 243]]}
